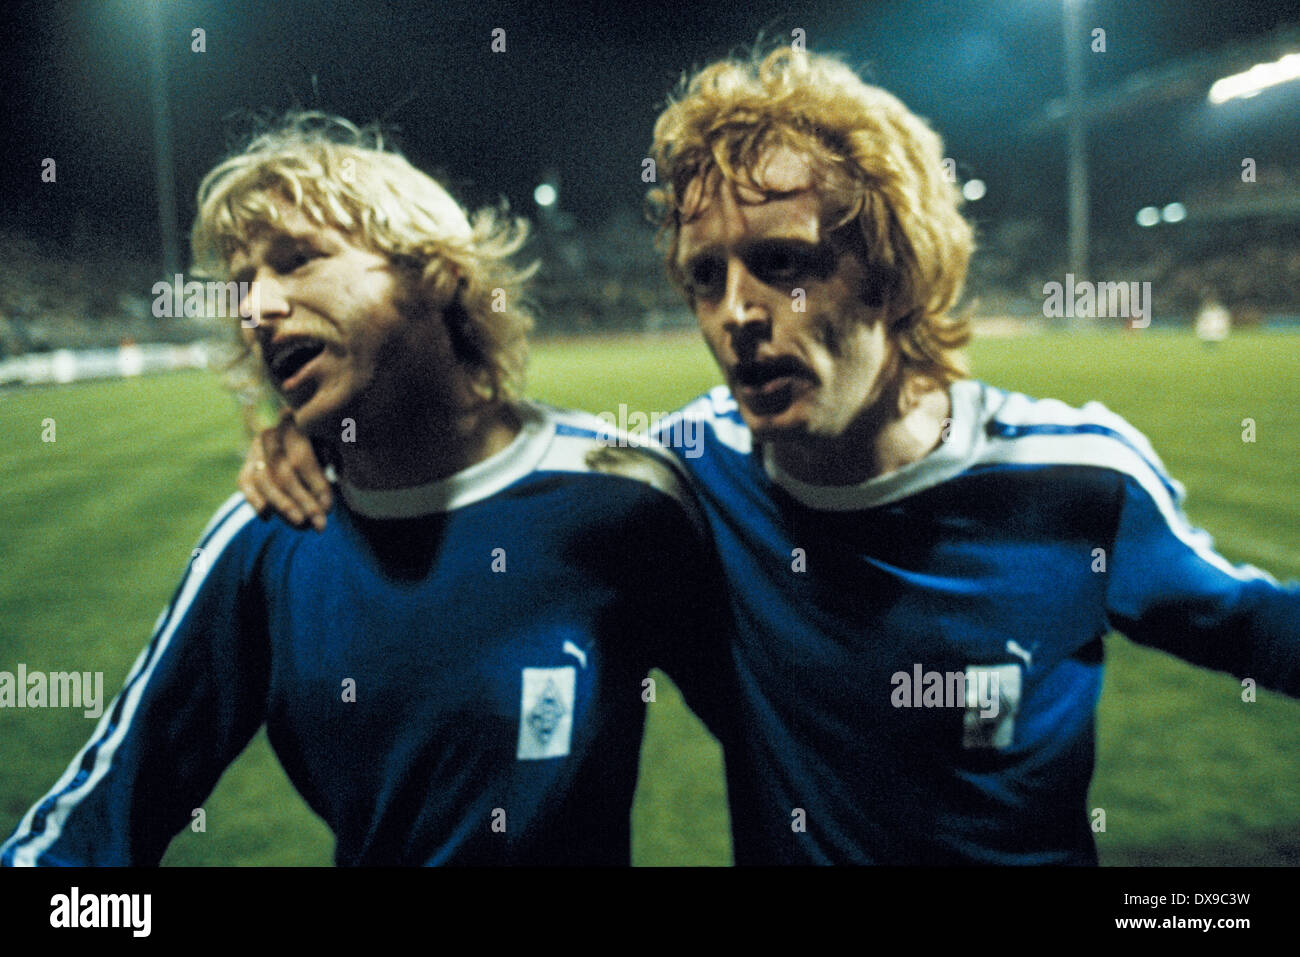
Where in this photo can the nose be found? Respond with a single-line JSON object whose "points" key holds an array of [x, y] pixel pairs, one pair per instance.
{"points": [[747, 314], [263, 299]]}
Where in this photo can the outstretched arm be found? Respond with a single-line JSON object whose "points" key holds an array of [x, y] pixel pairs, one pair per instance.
{"points": [[1171, 590]]}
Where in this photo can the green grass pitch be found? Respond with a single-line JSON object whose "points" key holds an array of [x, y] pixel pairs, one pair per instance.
{"points": [[97, 526]]}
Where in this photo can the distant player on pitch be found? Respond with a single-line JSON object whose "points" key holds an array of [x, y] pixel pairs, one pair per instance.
{"points": [[1213, 321]]}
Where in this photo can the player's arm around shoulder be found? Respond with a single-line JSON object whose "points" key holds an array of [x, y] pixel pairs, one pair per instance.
{"points": [[282, 474], [684, 591]]}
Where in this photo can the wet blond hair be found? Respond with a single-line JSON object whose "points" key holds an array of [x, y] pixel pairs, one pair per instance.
{"points": [[344, 177], [876, 162]]}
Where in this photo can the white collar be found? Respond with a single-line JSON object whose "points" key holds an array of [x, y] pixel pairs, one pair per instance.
{"points": [[950, 458], [467, 486]]}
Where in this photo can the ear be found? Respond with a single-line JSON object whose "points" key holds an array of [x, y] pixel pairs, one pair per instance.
{"points": [[895, 374], [910, 391]]}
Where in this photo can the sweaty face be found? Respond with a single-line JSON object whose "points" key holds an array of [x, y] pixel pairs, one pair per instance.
{"points": [[781, 302], [328, 327]]}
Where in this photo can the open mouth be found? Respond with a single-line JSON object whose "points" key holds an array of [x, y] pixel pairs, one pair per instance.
{"points": [[769, 386], [758, 374], [286, 360]]}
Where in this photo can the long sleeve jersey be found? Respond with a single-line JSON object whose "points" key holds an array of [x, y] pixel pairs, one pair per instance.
{"points": [[452, 673], [920, 656]]}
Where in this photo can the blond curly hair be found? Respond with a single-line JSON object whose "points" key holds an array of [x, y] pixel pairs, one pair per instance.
{"points": [[344, 177], [877, 164]]}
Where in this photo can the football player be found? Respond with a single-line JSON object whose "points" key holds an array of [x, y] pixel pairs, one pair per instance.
{"points": [[453, 671]]}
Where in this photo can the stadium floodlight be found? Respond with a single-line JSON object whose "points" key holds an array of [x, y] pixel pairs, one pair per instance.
{"points": [[545, 195], [1148, 216], [1174, 213], [974, 189], [1257, 78]]}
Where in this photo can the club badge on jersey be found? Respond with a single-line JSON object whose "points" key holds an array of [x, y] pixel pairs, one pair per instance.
{"points": [[992, 700], [546, 713]]}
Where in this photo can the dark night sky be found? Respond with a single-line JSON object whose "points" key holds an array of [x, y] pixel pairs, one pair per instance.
{"points": [[578, 89]]}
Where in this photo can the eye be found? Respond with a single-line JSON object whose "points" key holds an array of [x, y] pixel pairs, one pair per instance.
{"points": [[301, 257], [785, 262], [293, 258], [704, 275]]}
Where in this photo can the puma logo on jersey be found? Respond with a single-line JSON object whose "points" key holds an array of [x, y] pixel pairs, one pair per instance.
{"points": [[571, 649], [1019, 652]]}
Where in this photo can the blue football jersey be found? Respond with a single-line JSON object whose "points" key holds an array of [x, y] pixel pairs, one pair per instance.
{"points": [[448, 674], [919, 656]]}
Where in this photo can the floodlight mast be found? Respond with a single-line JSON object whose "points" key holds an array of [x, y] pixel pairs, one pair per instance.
{"points": [[164, 172], [1076, 148]]}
